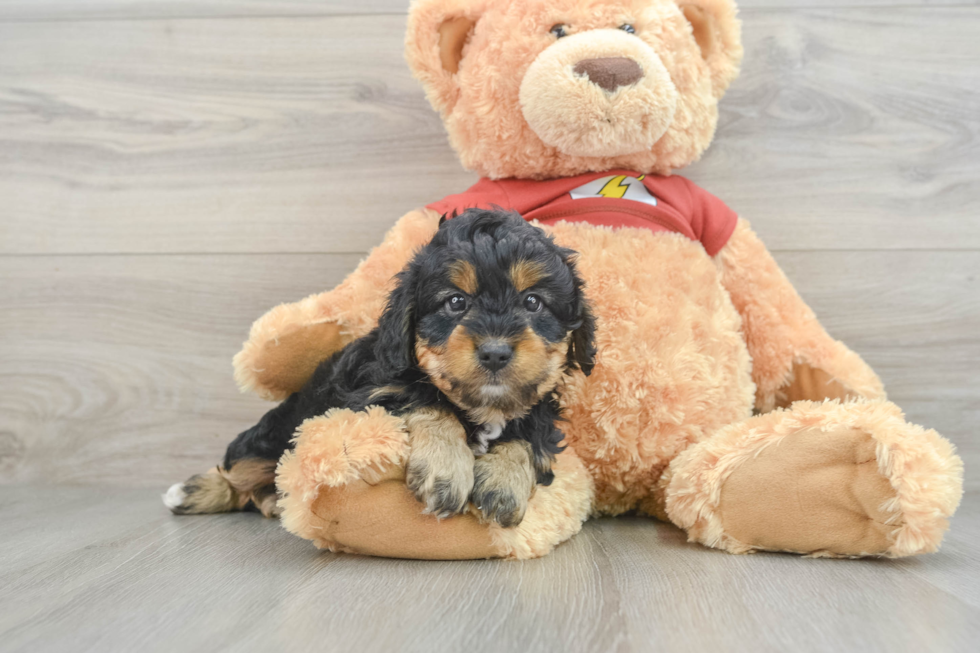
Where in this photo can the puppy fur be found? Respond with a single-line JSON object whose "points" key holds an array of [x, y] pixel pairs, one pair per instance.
{"points": [[476, 337]]}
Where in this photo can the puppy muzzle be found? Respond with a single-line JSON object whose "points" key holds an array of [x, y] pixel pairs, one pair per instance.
{"points": [[495, 355]]}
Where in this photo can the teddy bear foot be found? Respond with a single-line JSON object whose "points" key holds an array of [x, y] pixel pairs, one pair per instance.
{"points": [[822, 479], [343, 487]]}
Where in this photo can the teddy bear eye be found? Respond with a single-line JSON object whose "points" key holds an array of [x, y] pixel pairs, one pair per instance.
{"points": [[559, 31], [629, 29]]}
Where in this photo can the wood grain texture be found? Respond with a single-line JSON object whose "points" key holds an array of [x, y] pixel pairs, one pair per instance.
{"points": [[114, 572], [117, 369], [76, 10], [121, 366], [849, 129], [854, 130], [65, 10], [170, 169]]}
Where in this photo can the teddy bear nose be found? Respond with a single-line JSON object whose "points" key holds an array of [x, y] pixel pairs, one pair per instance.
{"points": [[610, 73]]}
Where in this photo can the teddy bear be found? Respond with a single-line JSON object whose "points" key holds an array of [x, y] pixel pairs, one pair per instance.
{"points": [[718, 402]]}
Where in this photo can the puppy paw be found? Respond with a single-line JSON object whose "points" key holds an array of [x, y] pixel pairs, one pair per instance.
{"points": [[441, 478], [503, 482]]}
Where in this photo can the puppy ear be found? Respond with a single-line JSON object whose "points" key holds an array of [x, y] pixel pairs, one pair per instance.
{"points": [[718, 33], [438, 32], [395, 347], [581, 349]]}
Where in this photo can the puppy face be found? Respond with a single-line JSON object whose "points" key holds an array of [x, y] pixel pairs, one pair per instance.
{"points": [[494, 313]]}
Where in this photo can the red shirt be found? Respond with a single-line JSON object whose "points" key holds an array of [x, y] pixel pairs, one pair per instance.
{"points": [[617, 198]]}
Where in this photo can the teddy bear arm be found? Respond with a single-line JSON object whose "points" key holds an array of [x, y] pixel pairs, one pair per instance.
{"points": [[793, 357], [343, 487], [286, 344]]}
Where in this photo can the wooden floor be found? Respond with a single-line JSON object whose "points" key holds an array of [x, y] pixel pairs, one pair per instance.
{"points": [[105, 570], [170, 169]]}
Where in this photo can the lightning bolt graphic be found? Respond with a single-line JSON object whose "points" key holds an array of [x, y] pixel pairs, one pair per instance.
{"points": [[615, 189]]}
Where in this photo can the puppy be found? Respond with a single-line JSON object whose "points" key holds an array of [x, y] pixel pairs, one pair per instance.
{"points": [[481, 328]]}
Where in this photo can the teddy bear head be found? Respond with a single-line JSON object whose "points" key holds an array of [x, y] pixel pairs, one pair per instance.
{"points": [[554, 88]]}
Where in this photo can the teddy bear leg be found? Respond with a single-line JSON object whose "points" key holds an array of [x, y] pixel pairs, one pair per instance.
{"points": [[343, 487], [824, 479]]}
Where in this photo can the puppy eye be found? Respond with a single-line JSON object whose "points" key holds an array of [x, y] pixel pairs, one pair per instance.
{"points": [[533, 303], [456, 304], [629, 29], [559, 31]]}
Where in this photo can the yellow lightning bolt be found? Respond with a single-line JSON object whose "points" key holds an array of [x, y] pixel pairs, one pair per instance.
{"points": [[615, 189]]}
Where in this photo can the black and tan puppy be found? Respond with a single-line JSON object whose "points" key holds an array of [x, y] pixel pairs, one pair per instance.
{"points": [[470, 351]]}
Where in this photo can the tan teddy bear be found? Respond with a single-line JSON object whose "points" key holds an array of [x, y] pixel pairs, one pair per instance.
{"points": [[719, 402]]}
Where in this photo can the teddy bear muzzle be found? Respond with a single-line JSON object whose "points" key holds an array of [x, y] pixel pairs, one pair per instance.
{"points": [[599, 93], [609, 73]]}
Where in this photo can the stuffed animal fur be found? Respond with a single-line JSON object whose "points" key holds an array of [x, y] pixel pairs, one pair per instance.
{"points": [[719, 403]]}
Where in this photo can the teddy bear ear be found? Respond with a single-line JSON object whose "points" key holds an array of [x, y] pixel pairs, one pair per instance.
{"points": [[718, 33], [438, 31]]}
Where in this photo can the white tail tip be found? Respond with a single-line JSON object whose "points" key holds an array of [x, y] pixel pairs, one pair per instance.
{"points": [[174, 498]]}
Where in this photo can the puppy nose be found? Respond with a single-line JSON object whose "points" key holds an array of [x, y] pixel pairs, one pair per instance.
{"points": [[610, 73], [495, 355]]}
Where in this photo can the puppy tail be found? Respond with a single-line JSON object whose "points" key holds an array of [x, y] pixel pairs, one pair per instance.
{"points": [[247, 483]]}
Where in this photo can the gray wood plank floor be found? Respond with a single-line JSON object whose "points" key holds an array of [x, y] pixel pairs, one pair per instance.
{"points": [[170, 169], [106, 570], [60, 10], [850, 128], [113, 361]]}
